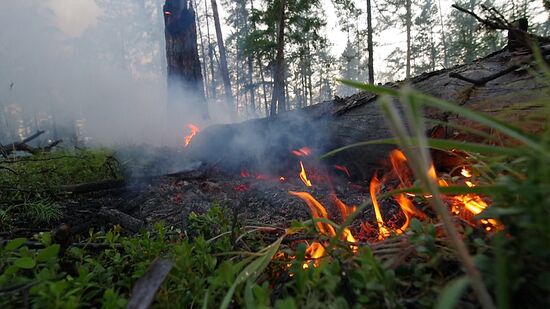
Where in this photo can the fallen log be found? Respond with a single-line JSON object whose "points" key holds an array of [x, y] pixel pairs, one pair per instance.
{"points": [[8, 149], [266, 144]]}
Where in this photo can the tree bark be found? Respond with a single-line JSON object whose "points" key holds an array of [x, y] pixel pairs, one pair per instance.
{"points": [[370, 43], [408, 20], [185, 80], [278, 101], [230, 101]]}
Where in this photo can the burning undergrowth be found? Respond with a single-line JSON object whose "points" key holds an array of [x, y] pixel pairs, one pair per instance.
{"points": [[330, 194]]}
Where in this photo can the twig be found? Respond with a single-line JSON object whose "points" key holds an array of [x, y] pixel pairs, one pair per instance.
{"points": [[484, 80]]}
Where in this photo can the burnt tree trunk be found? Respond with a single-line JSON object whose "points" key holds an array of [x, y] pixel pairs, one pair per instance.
{"points": [[185, 80]]}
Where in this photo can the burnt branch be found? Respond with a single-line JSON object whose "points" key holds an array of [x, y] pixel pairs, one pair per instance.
{"points": [[8, 149]]}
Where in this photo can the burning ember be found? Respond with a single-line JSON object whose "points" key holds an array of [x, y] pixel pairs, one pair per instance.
{"points": [[194, 130], [399, 177], [302, 152]]}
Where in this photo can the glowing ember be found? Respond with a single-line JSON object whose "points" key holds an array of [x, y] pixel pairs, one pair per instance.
{"points": [[383, 232], [466, 173], [194, 130], [303, 175], [343, 169], [282, 179], [302, 152]]}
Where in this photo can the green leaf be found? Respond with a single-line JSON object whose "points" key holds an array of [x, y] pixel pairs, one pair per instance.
{"points": [[25, 262], [47, 253], [441, 144], [14, 244], [450, 296], [252, 270]]}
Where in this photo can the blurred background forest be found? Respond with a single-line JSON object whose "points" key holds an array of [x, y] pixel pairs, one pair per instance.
{"points": [[93, 71]]}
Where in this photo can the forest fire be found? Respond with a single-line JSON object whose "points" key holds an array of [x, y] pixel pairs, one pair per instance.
{"points": [[193, 131], [399, 177]]}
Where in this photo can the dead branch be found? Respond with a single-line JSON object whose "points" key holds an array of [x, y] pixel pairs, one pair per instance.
{"points": [[92, 186], [484, 80], [6, 150], [494, 20], [146, 287]]}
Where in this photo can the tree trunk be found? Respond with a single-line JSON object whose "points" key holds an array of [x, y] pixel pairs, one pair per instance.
{"points": [[370, 43], [443, 38], [223, 60], [203, 55], [278, 101], [185, 81], [408, 20], [210, 54]]}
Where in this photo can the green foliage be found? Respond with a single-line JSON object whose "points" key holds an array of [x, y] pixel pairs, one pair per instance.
{"points": [[28, 185], [515, 262]]}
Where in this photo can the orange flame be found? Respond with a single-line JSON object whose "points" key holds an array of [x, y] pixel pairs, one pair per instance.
{"points": [[302, 152], [303, 175], [317, 211], [194, 130], [345, 210], [315, 251], [383, 232]]}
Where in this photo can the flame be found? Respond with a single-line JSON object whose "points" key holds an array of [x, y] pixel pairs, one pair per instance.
{"points": [[375, 185], [194, 130], [345, 210], [315, 251], [303, 175], [317, 211], [302, 152], [466, 173]]}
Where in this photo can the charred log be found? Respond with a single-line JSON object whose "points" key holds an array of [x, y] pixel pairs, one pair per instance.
{"points": [[266, 144]]}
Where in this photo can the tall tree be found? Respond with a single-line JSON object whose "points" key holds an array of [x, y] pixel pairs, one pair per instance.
{"points": [[223, 59], [278, 99], [408, 24], [370, 43], [185, 80]]}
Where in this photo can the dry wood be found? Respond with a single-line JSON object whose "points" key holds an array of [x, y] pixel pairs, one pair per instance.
{"points": [[117, 217], [8, 149], [147, 286]]}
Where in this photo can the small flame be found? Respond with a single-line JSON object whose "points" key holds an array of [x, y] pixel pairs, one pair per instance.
{"points": [[466, 173], [317, 211], [302, 152], [315, 251], [303, 175], [383, 232], [194, 130], [345, 210], [282, 179]]}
